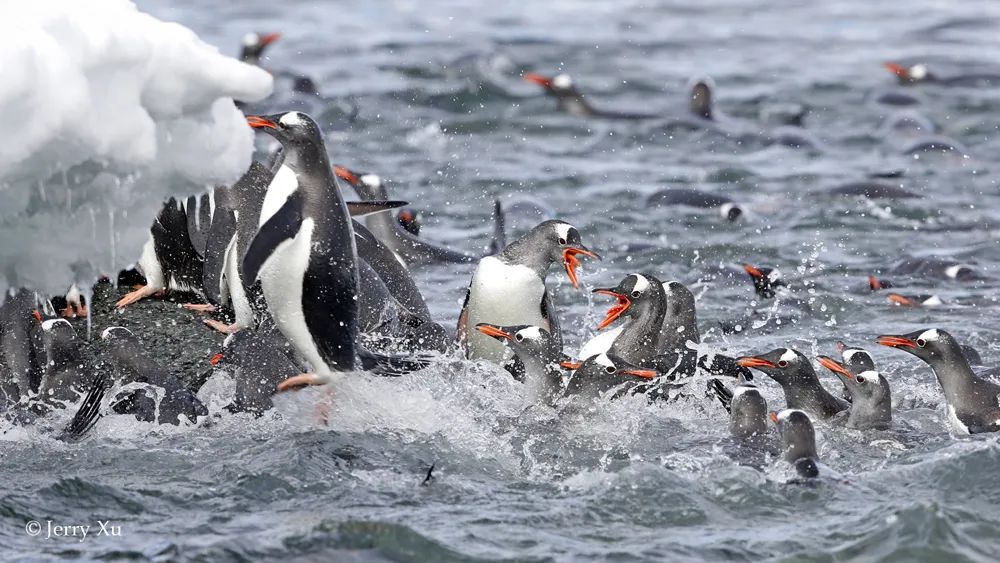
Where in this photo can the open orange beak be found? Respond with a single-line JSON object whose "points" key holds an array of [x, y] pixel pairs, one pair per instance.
{"points": [[571, 263], [258, 122], [543, 81], [570, 365], [901, 300], [754, 362], [895, 341], [754, 272], [897, 69], [214, 360], [495, 332], [643, 373], [269, 38], [834, 366], [346, 175], [616, 310], [773, 415]]}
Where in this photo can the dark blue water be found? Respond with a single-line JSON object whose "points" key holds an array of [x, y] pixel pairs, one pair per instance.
{"points": [[446, 119]]}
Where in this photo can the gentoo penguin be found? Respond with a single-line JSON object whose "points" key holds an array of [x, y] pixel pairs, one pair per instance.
{"points": [[876, 284], [412, 249], [921, 74], [798, 440], [871, 400], [972, 402], [257, 362], [642, 301], [169, 259], [695, 198], [76, 305], [915, 300], [254, 45], [935, 267], [797, 378], [603, 373], [410, 220], [872, 189], [539, 358], [571, 101], [66, 374], [765, 280], [748, 415], [22, 348], [133, 366], [509, 288]]}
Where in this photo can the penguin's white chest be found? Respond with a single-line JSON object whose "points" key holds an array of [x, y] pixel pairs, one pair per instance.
{"points": [[502, 294], [281, 278], [600, 344], [284, 183]]}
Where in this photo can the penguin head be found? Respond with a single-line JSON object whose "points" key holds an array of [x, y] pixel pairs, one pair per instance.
{"points": [[909, 75], [254, 45], [730, 211], [560, 85], [680, 302], [929, 345], [782, 364], [292, 128], [634, 294], [560, 242], [608, 368], [410, 220], [876, 284], [533, 340], [365, 183], [748, 406], [856, 359], [59, 337], [798, 436], [701, 99], [859, 381], [765, 280], [118, 335]]}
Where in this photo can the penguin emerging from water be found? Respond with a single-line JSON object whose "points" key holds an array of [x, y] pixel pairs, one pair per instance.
{"points": [[132, 365], [598, 375], [723, 205], [410, 220], [797, 378], [766, 281], [571, 101], [936, 267], [643, 304], [509, 288], [538, 355], [798, 441], [921, 74], [21, 345], [258, 362], [747, 408], [67, 375], [871, 399], [923, 300], [973, 405]]}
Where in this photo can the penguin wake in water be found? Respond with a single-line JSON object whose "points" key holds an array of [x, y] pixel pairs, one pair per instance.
{"points": [[973, 402], [509, 288], [797, 378]]}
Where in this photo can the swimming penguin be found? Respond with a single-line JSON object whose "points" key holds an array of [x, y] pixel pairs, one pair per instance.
{"points": [[765, 280], [936, 267], [539, 358], [797, 378], [571, 101], [872, 189], [695, 198], [915, 300], [410, 220], [973, 405], [412, 249], [798, 440], [22, 348], [871, 400], [258, 362], [169, 259], [876, 284], [509, 288], [254, 45], [748, 415], [603, 373], [921, 74], [66, 373], [642, 301]]}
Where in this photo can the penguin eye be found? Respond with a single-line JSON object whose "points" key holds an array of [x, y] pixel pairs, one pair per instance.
{"points": [[782, 364], [562, 240], [861, 379], [610, 369], [519, 337], [921, 342], [636, 293]]}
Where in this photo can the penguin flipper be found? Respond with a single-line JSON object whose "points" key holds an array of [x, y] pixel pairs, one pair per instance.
{"points": [[282, 226], [219, 238], [499, 241], [362, 208], [551, 322], [462, 331], [89, 411], [722, 393]]}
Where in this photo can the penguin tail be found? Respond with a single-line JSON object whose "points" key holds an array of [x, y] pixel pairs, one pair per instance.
{"points": [[391, 365], [499, 240], [722, 393], [89, 412]]}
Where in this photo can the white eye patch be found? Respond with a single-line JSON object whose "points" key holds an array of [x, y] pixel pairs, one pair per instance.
{"points": [[929, 335], [562, 81], [530, 333], [604, 360], [789, 355], [49, 324], [291, 118], [562, 229], [641, 283], [251, 39], [372, 180]]}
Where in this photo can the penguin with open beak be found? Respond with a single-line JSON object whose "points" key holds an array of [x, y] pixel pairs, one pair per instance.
{"points": [[641, 302], [538, 358], [973, 402], [871, 399], [508, 288], [798, 441], [797, 378]]}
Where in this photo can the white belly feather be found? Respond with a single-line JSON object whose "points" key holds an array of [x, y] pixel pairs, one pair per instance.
{"points": [[501, 294], [600, 344]]}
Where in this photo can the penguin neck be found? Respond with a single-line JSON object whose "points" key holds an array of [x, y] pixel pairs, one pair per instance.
{"points": [[679, 327], [870, 411], [637, 342], [526, 251], [954, 375], [541, 376], [302, 159], [799, 443]]}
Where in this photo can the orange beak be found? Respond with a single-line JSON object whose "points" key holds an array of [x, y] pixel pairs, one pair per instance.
{"points": [[214, 360], [543, 81], [754, 362], [901, 300], [754, 272], [874, 283], [570, 365], [36, 314], [773, 415], [346, 175], [490, 330], [571, 263], [405, 215], [895, 341], [897, 69], [616, 310], [258, 122], [835, 366], [269, 38], [643, 373]]}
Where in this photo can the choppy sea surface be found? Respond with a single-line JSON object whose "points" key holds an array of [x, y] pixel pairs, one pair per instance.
{"points": [[446, 119]]}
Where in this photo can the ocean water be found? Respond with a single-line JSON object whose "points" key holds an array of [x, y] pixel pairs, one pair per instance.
{"points": [[445, 118]]}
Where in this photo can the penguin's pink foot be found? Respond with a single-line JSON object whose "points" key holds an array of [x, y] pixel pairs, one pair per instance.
{"points": [[300, 381], [221, 326], [141, 292], [200, 307]]}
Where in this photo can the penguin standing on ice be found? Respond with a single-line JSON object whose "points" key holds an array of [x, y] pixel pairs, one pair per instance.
{"points": [[509, 288]]}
